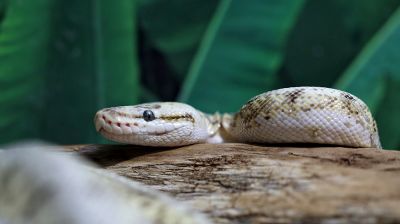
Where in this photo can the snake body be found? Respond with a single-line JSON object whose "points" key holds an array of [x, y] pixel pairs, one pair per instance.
{"points": [[41, 186], [289, 115]]}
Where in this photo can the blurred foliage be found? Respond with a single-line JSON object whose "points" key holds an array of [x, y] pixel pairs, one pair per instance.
{"points": [[59, 66]]}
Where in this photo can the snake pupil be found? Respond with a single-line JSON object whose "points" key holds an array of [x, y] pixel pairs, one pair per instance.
{"points": [[148, 115]]}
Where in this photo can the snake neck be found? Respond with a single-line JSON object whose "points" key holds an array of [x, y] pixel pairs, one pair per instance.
{"points": [[219, 128]]}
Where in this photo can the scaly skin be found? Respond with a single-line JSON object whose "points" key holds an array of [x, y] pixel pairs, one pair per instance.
{"points": [[42, 187], [175, 124], [290, 115]]}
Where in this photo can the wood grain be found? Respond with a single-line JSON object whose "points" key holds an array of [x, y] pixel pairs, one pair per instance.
{"points": [[241, 183]]}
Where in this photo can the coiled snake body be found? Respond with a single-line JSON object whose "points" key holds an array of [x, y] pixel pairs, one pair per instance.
{"points": [[43, 187], [290, 115], [41, 184]]}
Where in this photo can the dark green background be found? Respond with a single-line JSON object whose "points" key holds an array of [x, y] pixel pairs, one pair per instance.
{"points": [[61, 61]]}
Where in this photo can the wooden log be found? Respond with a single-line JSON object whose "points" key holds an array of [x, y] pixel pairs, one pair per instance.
{"points": [[241, 183]]}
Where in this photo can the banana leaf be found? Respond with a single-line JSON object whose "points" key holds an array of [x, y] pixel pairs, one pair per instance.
{"points": [[175, 28], [23, 38], [240, 53], [59, 68], [375, 77], [327, 37]]}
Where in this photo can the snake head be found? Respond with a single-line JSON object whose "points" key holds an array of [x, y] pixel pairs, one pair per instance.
{"points": [[152, 124]]}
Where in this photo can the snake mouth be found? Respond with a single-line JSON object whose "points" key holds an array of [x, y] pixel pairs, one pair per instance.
{"points": [[138, 139], [114, 130], [112, 136]]}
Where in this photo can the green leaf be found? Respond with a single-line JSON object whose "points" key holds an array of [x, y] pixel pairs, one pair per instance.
{"points": [[61, 61], [93, 65], [175, 28], [373, 77], [240, 53], [328, 35], [387, 117], [23, 37]]}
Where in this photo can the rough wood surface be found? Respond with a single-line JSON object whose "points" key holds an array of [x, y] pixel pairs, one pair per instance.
{"points": [[240, 183]]}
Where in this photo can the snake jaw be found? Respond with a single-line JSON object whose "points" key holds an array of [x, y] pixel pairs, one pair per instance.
{"points": [[174, 124], [132, 130]]}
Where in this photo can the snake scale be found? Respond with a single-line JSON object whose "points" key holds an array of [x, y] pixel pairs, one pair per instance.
{"points": [[289, 115]]}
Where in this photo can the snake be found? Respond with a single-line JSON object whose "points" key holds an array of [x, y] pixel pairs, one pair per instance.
{"points": [[294, 115], [41, 184]]}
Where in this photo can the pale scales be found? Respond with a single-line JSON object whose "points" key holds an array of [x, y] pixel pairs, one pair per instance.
{"points": [[40, 184], [290, 115]]}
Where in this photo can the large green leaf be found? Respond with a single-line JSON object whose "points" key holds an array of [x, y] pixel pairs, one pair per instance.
{"points": [[23, 42], [328, 35], [93, 65], [170, 32], [61, 62], [388, 115], [375, 77], [240, 53], [175, 28]]}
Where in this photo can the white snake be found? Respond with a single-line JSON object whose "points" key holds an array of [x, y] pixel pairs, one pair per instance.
{"points": [[45, 187], [39, 186], [290, 115]]}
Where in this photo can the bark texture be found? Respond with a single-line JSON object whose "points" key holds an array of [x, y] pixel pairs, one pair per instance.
{"points": [[241, 183]]}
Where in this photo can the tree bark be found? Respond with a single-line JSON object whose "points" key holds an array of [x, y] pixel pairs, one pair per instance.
{"points": [[241, 183]]}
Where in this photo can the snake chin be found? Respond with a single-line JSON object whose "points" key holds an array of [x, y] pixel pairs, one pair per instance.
{"points": [[150, 139], [123, 138]]}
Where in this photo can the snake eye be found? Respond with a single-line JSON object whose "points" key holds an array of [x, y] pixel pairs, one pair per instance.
{"points": [[148, 115]]}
